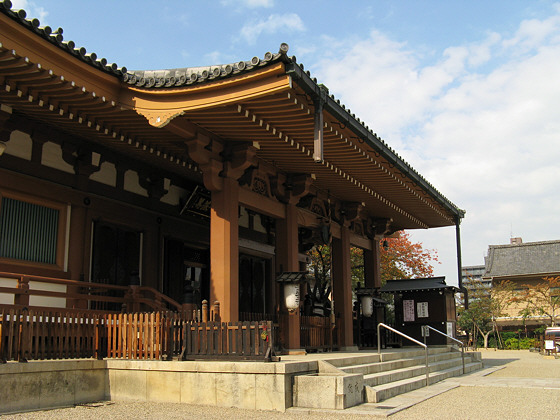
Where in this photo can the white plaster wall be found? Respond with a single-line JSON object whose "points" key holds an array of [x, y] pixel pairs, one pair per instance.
{"points": [[132, 184], [7, 298], [20, 145], [52, 157], [107, 174], [174, 195], [243, 217], [53, 302]]}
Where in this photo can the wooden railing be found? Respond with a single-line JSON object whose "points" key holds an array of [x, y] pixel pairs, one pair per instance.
{"points": [[319, 333], [255, 316], [36, 335], [80, 296], [239, 340]]}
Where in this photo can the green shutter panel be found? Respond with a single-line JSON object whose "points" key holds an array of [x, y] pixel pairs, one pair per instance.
{"points": [[28, 231]]}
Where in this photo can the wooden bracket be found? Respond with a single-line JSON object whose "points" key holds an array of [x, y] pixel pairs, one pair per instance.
{"points": [[291, 188], [352, 212], [239, 159], [381, 228]]}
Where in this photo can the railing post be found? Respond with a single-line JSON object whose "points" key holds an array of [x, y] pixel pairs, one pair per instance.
{"points": [[216, 311], [427, 327], [427, 368], [407, 337], [463, 357], [22, 298], [204, 310]]}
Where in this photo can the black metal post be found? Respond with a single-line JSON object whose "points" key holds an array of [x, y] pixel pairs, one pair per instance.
{"points": [[460, 263]]}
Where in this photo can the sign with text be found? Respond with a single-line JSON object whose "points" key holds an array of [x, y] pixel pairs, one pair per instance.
{"points": [[408, 310], [422, 309], [450, 329]]}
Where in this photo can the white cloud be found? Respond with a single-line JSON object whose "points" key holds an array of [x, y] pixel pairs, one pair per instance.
{"points": [[32, 10], [214, 57], [481, 123], [252, 4], [274, 23]]}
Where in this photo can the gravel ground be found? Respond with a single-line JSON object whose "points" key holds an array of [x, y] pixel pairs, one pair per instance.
{"points": [[467, 402], [521, 364], [488, 403]]}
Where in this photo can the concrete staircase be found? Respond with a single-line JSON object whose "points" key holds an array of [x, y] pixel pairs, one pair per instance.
{"points": [[371, 378], [390, 374]]}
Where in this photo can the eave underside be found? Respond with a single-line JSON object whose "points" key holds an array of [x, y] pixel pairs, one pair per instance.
{"points": [[282, 123]]}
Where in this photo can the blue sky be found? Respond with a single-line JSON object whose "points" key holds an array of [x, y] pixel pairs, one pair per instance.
{"points": [[468, 92]]}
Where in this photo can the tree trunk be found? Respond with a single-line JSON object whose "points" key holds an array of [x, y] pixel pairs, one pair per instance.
{"points": [[485, 336]]}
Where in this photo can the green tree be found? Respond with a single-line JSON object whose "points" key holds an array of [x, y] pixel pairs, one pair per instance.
{"points": [[485, 307]]}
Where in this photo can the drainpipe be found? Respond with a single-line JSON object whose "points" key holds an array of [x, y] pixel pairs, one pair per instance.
{"points": [[459, 262]]}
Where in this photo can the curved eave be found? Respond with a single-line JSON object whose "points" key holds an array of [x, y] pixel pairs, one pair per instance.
{"points": [[161, 106], [283, 126], [334, 108]]}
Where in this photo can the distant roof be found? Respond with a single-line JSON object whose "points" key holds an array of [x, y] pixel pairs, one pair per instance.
{"points": [[526, 258], [432, 283]]}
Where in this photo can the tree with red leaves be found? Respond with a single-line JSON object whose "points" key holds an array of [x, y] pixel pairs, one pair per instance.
{"points": [[403, 259], [400, 259]]}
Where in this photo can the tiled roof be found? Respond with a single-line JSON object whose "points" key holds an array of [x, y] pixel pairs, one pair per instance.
{"points": [[189, 75], [527, 258], [433, 283], [172, 78], [55, 37]]}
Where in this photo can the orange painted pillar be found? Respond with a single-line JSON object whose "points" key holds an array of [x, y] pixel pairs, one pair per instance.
{"points": [[342, 284], [287, 260], [224, 250], [372, 266]]}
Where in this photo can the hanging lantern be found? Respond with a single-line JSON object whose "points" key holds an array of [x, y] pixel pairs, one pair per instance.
{"points": [[367, 305], [368, 298], [291, 281], [291, 296]]}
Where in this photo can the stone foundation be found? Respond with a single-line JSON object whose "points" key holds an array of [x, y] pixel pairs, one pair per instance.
{"points": [[49, 384]]}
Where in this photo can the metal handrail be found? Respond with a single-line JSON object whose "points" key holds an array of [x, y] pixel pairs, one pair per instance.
{"points": [[452, 338], [407, 337]]}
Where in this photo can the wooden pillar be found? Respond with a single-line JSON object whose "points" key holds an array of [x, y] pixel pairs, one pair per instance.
{"points": [[77, 239], [78, 227], [287, 260], [224, 250], [342, 284], [150, 257], [372, 266]]}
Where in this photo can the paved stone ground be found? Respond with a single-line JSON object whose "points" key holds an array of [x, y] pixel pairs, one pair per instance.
{"points": [[513, 385]]}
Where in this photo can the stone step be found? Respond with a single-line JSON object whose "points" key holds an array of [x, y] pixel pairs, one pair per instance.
{"points": [[419, 369], [375, 394], [412, 352], [385, 356], [376, 367]]}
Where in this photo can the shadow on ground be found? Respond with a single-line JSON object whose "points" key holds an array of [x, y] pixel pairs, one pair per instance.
{"points": [[497, 362]]}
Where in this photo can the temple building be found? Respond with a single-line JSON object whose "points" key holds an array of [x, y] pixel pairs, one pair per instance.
{"points": [[200, 183]]}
